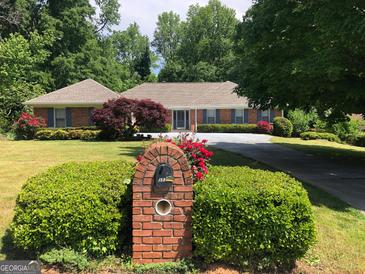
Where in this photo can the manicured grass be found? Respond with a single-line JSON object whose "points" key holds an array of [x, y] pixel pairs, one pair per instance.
{"points": [[344, 153], [340, 245], [22, 159]]}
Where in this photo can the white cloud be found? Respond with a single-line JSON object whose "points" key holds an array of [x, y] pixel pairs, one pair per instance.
{"points": [[145, 12]]}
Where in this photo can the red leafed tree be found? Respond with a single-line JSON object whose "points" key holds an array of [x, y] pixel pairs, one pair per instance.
{"points": [[121, 117]]}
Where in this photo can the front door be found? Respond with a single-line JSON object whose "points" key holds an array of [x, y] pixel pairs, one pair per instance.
{"points": [[181, 119]]}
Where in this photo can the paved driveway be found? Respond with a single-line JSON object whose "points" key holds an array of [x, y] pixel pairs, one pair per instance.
{"points": [[342, 180]]}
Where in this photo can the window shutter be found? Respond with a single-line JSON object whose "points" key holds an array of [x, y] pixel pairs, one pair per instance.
{"points": [[272, 115], [187, 119], [246, 116], [91, 123], [259, 117], [233, 116], [175, 119], [217, 116], [68, 117], [50, 117], [204, 116]]}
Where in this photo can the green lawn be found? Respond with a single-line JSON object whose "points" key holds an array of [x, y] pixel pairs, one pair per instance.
{"points": [[341, 229]]}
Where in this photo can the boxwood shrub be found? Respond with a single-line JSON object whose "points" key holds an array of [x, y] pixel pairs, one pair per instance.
{"points": [[228, 128], [67, 134], [81, 206], [251, 218], [282, 127], [319, 135]]}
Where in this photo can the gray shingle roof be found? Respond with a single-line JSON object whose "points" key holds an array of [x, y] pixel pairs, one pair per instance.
{"points": [[189, 95], [87, 92]]}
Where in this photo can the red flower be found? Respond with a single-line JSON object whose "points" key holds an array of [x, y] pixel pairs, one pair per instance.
{"points": [[139, 158], [204, 141], [199, 175]]}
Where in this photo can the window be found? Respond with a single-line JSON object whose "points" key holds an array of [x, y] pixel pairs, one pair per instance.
{"points": [[265, 115], [60, 117], [211, 116], [239, 116]]}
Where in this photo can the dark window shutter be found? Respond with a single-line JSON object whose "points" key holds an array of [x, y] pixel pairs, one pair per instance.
{"points": [[259, 117], [233, 116], [246, 116], [68, 117], [272, 115], [175, 119], [90, 110], [217, 116], [204, 116], [50, 117], [187, 119]]}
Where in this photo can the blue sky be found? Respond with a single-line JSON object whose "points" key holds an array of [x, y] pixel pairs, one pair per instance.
{"points": [[145, 12]]}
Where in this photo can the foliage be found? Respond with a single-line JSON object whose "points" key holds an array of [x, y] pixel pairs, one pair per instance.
{"points": [[81, 206], [264, 127], [303, 54], [21, 77], [301, 120], [360, 141], [65, 258], [282, 127], [67, 134], [228, 128], [348, 131], [27, 125], [166, 128], [183, 266], [320, 135], [200, 48], [120, 118], [251, 218]]}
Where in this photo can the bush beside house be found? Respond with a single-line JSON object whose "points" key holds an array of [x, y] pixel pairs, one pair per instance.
{"points": [[228, 128], [282, 127], [27, 125]]}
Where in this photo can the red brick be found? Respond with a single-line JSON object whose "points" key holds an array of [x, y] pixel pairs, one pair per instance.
{"points": [[180, 218], [148, 182], [142, 203], [137, 210], [178, 181], [176, 196], [143, 261], [177, 211], [162, 233], [138, 248], [137, 188], [173, 225], [171, 240], [137, 255], [188, 196], [142, 233], [137, 225], [152, 240], [152, 226], [159, 218], [183, 188], [170, 254], [149, 174], [152, 255], [183, 203], [142, 218], [137, 196], [162, 247], [163, 150], [138, 175], [148, 210], [137, 240]]}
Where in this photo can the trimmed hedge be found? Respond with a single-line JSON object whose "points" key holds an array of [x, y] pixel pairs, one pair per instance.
{"points": [[228, 128], [251, 218], [166, 128], [81, 206], [282, 127], [68, 134], [319, 135]]}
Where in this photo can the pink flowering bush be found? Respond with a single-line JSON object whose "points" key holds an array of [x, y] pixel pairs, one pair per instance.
{"points": [[195, 151], [26, 126], [264, 127]]}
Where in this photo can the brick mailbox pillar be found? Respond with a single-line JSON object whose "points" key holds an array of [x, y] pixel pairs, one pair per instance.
{"points": [[162, 204]]}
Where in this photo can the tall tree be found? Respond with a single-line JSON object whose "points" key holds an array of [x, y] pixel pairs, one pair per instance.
{"points": [[303, 54], [205, 50], [167, 36]]}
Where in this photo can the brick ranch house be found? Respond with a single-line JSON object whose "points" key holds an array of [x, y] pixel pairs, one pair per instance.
{"points": [[189, 104]]}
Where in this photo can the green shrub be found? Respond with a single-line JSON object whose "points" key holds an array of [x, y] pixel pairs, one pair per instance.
{"points": [[319, 135], [282, 127], [360, 141], [251, 217], [68, 134], [45, 134], [66, 259], [228, 128], [82, 206], [166, 128], [89, 135], [348, 131], [300, 120], [60, 134]]}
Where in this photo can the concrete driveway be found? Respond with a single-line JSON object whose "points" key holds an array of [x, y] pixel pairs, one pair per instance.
{"points": [[342, 180]]}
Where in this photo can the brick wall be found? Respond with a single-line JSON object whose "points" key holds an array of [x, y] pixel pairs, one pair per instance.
{"points": [[162, 238], [80, 117], [41, 112], [252, 116], [226, 116]]}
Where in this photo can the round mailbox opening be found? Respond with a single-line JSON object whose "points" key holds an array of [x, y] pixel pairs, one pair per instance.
{"points": [[163, 207]]}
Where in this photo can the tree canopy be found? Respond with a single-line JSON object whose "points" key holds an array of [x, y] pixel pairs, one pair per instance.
{"points": [[303, 54]]}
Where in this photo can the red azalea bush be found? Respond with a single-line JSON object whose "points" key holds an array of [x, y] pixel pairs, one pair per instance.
{"points": [[195, 151], [121, 117], [26, 126], [264, 127]]}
